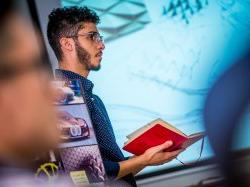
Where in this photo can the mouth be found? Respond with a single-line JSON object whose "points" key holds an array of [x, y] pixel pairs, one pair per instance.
{"points": [[99, 55]]}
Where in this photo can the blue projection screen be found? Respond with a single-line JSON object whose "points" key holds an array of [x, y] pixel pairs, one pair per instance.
{"points": [[161, 58]]}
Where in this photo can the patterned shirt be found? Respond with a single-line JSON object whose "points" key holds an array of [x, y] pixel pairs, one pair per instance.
{"points": [[109, 149]]}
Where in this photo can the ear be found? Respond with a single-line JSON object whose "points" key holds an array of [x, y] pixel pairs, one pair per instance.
{"points": [[67, 44]]}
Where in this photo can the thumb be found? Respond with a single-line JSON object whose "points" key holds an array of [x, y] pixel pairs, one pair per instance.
{"points": [[163, 146]]}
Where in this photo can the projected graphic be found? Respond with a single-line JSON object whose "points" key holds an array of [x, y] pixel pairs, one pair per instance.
{"points": [[165, 61], [118, 18], [184, 8]]}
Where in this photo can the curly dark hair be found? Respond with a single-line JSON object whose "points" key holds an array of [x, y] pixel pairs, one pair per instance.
{"points": [[66, 22]]}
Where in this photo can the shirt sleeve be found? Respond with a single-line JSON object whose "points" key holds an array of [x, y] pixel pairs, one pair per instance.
{"points": [[112, 169]]}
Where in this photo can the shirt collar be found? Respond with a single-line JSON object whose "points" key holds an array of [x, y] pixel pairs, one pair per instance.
{"points": [[68, 75]]}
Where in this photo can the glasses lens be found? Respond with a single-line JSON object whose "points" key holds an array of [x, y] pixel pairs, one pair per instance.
{"points": [[95, 36], [101, 38]]}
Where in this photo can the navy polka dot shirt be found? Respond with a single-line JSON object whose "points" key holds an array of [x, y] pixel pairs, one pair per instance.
{"points": [[110, 151]]}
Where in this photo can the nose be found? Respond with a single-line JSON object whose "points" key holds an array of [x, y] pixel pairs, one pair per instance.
{"points": [[101, 45]]}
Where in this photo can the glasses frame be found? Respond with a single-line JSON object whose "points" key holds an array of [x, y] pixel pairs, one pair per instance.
{"points": [[96, 36]]}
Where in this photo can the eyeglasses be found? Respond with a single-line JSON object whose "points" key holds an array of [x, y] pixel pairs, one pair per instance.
{"points": [[198, 159], [94, 36], [8, 72]]}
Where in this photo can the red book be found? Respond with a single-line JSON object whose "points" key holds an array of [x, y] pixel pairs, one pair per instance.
{"points": [[157, 132]]}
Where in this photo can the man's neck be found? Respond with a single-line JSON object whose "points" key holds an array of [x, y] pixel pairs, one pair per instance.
{"points": [[79, 69]]}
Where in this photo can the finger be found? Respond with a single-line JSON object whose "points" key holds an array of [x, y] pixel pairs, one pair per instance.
{"points": [[167, 158], [175, 153], [163, 146]]}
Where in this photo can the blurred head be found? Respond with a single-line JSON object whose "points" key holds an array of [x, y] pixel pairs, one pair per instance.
{"points": [[27, 115], [73, 36]]}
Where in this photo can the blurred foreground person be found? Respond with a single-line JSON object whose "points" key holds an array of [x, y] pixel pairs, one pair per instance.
{"points": [[226, 104], [28, 123]]}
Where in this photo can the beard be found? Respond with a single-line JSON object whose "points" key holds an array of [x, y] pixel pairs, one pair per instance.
{"points": [[85, 58]]}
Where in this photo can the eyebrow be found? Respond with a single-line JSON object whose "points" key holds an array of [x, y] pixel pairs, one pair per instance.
{"points": [[93, 32]]}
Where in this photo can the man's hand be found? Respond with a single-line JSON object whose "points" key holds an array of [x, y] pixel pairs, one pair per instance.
{"points": [[157, 155], [153, 156]]}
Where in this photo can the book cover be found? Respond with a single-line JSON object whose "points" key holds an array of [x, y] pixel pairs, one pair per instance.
{"points": [[156, 133]]}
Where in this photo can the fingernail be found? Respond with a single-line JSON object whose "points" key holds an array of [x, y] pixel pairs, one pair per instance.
{"points": [[169, 142], [182, 150]]}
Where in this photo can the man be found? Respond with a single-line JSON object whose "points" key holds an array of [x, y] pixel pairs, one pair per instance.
{"points": [[78, 46], [28, 124]]}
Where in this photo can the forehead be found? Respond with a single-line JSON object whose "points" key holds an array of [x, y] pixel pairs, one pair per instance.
{"points": [[88, 27]]}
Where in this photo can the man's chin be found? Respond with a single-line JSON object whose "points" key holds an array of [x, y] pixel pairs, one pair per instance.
{"points": [[96, 68]]}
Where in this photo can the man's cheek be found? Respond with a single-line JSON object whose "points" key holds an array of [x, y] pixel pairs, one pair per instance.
{"points": [[24, 131], [48, 118], [48, 129], [95, 61]]}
